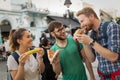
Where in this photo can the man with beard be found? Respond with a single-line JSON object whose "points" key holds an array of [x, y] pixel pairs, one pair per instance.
{"points": [[68, 61], [104, 44]]}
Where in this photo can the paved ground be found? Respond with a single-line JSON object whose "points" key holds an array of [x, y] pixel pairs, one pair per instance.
{"points": [[3, 73], [3, 70], [95, 70]]}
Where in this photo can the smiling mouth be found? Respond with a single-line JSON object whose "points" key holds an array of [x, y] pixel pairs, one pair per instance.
{"points": [[63, 34]]}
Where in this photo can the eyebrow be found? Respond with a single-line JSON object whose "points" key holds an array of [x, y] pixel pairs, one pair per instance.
{"points": [[61, 28]]}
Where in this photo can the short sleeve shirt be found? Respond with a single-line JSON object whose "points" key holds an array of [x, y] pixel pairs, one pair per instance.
{"points": [[71, 63], [31, 67]]}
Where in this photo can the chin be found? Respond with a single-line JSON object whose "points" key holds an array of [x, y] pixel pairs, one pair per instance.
{"points": [[88, 29], [62, 38], [30, 45]]}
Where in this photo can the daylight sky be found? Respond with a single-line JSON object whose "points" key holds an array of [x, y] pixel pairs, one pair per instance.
{"points": [[57, 6]]}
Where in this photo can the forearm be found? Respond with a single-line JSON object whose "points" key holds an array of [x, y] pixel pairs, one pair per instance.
{"points": [[89, 54], [20, 72], [88, 65], [42, 65], [90, 69], [106, 53], [56, 68]]}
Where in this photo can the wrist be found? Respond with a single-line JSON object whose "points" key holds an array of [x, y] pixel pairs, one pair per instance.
{"points": [[40, 59], [22, 64], [91, 43]]}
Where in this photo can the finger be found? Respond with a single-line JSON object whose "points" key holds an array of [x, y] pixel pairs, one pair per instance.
{"points": [[80, 40], [41, 51], [24, 56]]}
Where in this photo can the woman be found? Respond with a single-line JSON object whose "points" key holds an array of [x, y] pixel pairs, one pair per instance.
{"points": [[8, 43], [48, 74], [29, 67]]}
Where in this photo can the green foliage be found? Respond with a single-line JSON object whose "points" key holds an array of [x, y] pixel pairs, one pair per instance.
{"points": [[118, 20]]}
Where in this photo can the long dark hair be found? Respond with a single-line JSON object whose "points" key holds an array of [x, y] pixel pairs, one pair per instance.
{"points": [[43, 42]]}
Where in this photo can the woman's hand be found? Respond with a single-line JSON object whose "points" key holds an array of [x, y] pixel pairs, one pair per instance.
{"points": [[40, 58], [40, 53], [23, 58]]}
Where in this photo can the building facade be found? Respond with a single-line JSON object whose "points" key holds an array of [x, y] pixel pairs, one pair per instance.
{"points": [[22, 13]]}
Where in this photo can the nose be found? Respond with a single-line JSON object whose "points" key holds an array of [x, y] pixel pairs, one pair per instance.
{"points": [[82, 25], [63, 30]]}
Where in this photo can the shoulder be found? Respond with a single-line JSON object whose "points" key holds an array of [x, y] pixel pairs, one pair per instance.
{"points": [[70, 39], [54, 47], [112, 25], [109, 26], [10, 59], [11, 63]]}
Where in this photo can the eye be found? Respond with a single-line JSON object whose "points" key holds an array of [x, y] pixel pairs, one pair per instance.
{"points": [[81, 21], [29, 36]]}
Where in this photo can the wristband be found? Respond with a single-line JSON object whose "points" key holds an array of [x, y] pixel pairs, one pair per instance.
{"points": [[91, 43]]}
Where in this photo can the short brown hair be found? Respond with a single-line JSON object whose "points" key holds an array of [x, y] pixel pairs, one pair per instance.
{"points": [[54, 24], [87, 11]]}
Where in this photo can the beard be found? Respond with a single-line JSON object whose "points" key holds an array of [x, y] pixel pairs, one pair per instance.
{"points": [[89, 27], [60, 37]]}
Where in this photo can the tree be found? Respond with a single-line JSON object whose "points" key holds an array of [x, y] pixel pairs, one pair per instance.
{"points": [[118, 20]]}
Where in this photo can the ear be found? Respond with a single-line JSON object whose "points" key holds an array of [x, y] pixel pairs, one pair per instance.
{"points": [[52, 34], [18, 41], [91, 16]]}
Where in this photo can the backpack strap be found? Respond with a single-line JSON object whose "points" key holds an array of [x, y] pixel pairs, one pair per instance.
{"points": [[35, 54], [16, 56]]}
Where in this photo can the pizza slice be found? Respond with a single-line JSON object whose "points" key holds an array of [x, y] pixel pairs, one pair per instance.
{"points": [[79, 31], [52, 55]]}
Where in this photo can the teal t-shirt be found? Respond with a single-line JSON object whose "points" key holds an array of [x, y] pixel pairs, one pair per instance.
{"points": [[71, 63]]}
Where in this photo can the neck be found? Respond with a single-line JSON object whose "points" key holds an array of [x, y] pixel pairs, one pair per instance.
{"points": [[61, 43], [22, 50], [96, 25]]}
